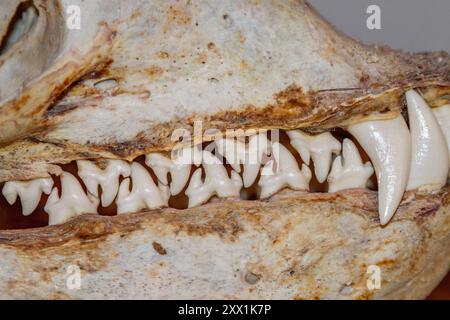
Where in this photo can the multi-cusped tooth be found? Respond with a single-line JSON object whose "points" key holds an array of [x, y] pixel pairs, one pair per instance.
{"points": [[443, 117], [29, 192], [348, 170], [145, 194], [282, 171], [319, 147], [217, 182], [107, 179], [430, 155], [162, 166], [388, 144], [73, 201]]}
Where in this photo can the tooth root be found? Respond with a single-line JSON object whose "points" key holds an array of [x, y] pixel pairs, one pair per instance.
{"points": [[443, 117], [388, 144], [144, 193], [348, 171], [73, 201], [430, 155], [320, 148], [29, 192], [281, 172]]}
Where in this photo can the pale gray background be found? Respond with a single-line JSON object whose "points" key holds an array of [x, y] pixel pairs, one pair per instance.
{"points": [[413, 25]]}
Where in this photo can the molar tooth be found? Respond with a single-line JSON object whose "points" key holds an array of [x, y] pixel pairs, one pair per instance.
{"points": [[348, 171], [320, 148], [388, 144], [161, 166], [73, 201], [217, 182], [144, 194], [443, 117], [286, 174], [108, 179], [430, 155], [29, 192]]}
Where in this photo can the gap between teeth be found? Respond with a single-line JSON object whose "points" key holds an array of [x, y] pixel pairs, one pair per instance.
{"points": [[403, 159]]}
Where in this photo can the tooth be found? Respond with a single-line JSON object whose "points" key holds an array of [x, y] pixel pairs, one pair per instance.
{"points": [[73, 201], [281, 172], [348, 170], [217, 182], [388, 144], [29, 192], [161, 166], [443, 117], [234, 151], [430, 155], [320, 148], [144, 194], [258, 145], [108, 179]]}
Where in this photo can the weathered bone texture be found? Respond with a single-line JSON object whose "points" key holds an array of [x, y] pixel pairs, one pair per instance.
{"points": [[297, 246], [234, 64]]}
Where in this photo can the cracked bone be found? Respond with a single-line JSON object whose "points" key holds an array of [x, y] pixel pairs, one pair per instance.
{"points": [[348, 170]]}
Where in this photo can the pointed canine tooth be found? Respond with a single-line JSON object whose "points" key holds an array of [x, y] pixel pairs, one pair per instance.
{"points": [[443, 117], [430, 158], [283, 172], [29, 192], [73, 201], [349, 171], [320, 148], [145, 194], [388, 144]]}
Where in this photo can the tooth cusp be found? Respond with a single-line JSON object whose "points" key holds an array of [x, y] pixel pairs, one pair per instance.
{"points": [[348, 170]]}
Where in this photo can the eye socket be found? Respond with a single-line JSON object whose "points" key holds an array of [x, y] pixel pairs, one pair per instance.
{"points": [[22, 23]]}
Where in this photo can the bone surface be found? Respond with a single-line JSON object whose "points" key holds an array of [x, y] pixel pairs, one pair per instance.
{"points": [[388, 144], [430, 155], [348, 170]]}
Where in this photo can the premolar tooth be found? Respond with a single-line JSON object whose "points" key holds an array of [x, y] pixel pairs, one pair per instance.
{"points": [[73, 201], [144, 194], [388, 144], [281, 172], [29, 192], [443, 117], [217, 182], [108, 179], [348, 170], [430, 155], [320, 148], [161, 166]]}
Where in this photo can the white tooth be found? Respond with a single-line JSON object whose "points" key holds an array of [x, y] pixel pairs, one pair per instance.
{"points": [[320, 148], [388, 144], [430, 158], [443, 117], [144, 194], [217, 182], [258, 146], [348, 170], [234, 151], [281, 172], [73, 201], [108, 179], [161, 166], [29, 192]]}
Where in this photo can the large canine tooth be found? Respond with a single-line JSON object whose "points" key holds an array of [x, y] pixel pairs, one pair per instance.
{"points": [[29, 192], [320, 148], [217, 182], [443, 117], [348, 170], [145, 194], [73, 201], [430, 155], [283, 172], [108, 179], [388, 144], [161, 166]]}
